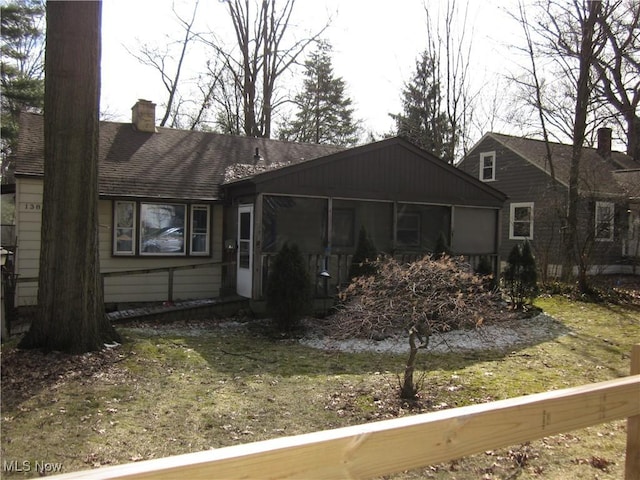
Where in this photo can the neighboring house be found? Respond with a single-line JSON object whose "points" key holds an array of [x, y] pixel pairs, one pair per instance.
{"points": [[190, 212], [609, 188]]}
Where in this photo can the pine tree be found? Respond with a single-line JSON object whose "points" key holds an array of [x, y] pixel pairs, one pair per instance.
{"points": [[364, 256], [324, 114], [520, 276], [22, 68], [288, 289], [422, 121]]}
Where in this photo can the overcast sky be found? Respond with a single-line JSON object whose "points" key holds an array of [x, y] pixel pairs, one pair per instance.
{"points": [[375, 44]]}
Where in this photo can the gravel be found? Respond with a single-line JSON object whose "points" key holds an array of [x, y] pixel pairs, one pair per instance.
{"points": [[498, 336]]}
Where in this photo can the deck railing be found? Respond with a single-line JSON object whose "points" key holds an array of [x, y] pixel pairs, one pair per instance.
{"points": [[338, 264], [390, 446]]}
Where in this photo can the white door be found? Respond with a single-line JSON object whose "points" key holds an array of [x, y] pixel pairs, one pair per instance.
{"points": [[244, 278]]}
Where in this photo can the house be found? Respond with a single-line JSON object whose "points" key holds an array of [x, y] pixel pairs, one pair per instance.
{"points": [[609, 186], [189, 215]]}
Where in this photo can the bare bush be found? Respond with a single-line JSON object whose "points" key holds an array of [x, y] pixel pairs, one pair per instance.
{"points": [[429, 295]]}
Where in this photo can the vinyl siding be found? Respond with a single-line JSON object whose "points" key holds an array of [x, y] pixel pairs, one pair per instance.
{"points": [[188, 284]]}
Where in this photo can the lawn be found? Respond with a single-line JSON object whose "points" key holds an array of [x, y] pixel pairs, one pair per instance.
{"points": [[182, 388]]}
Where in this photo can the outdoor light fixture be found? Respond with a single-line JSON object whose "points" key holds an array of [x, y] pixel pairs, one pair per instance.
{"points": [[3, 256], [324, 274]]}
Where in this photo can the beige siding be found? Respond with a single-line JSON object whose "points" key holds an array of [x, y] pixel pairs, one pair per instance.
{"points": [[28, 224], [188, 284]]}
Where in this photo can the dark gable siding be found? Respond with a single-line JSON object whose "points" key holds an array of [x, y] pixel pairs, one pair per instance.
{"points": [[390, 171]]}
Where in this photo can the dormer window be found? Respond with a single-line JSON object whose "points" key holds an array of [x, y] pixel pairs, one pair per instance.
{"points": [[488, 166]]}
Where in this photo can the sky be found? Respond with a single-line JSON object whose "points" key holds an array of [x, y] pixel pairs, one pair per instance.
{"points": [[375, 47]]}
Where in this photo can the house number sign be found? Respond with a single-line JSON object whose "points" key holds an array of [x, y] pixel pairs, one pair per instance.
{"points": [[31, 206]]}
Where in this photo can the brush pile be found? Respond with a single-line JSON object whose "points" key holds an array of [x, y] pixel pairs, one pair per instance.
{"points": [[432, 294]]}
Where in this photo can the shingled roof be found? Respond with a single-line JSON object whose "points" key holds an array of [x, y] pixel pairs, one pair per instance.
{"points": [[168, 164], [597, 172]]}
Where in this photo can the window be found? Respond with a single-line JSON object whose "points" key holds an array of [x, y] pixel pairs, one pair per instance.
{"points": [[200, 230], [160, 229], [124, 231], [343, 227], [521, 221], [408, 230], [488, 166], [604, 216]]}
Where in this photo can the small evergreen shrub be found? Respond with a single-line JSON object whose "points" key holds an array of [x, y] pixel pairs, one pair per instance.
{"points": [[521, 277], [441, 249], [289, 289], [484, 266], [363, 261]]}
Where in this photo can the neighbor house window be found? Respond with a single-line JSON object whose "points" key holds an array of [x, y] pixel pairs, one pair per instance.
{"points": [[200, 230], [604, 221], [521, 221], [161, 229], [488, 166], [124, 241]]}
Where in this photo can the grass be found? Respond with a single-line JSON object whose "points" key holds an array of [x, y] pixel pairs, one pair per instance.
{"points": [[164, 392]]}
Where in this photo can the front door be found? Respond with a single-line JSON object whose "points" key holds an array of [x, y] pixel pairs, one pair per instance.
{"points": [[244, 276]]}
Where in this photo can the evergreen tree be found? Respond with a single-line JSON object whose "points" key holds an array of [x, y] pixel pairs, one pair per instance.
{"points": [[364, 256], [520, 276], [423, 121], [288, 289], [22, 66], [324, 114]]}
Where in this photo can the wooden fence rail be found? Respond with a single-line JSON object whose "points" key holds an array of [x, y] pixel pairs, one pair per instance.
{"points": [[390, 446]]}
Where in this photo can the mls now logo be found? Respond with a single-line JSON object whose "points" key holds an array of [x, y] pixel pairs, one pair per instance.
{"points": [[28, 466]]}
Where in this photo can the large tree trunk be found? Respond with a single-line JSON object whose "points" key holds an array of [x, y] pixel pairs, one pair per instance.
{"points": [[71, 314]]}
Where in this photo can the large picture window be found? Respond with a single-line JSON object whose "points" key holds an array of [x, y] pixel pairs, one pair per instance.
{"points": [[145, 228], [604, 221], [521, 221]]}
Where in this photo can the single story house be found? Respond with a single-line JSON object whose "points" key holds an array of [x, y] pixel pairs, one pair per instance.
{"points": [[189, 215], [538, 188]]}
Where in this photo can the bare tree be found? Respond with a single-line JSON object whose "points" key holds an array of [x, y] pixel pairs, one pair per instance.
{"points": [[260, 32], [451, 49], [618, 66], [70, 297], [162, 61]]}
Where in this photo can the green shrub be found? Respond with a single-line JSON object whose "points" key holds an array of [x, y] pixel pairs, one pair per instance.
{"points": [[288, 289], [521, 277], [363, 261]]}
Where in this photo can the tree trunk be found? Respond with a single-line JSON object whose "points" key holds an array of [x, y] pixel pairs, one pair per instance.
{"points": [[633, 136], [583, 96], [71, 314], [408, 390]]}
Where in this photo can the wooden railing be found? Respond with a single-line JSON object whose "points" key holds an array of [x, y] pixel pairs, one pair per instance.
{"points": [[338, 264], [386, 447]]}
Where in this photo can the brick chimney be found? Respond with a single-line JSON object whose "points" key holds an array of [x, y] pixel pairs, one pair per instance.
{"points": [[143, 116], [604, 142]]}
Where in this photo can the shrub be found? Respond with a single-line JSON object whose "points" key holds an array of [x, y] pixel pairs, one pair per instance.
{"points": [[289, 289], [520, 277], [363, 261]]}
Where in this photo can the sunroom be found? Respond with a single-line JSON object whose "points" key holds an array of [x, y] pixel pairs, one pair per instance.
{"points": [[405, 199]]}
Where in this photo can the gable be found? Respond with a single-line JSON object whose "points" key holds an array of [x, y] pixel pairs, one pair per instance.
{"points": [[596, 172], [392, 170]]}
